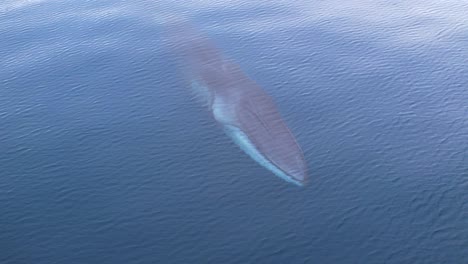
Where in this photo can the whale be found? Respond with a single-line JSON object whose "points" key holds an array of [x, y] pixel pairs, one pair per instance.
{"points": [[244, 110]]}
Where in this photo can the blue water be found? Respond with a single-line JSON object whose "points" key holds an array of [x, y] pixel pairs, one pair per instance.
{"points": [[105, 159]]}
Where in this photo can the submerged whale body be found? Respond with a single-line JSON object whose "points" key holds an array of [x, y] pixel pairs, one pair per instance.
{"points": [[245, 111]]}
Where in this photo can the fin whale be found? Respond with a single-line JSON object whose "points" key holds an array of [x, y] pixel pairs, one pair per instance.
{"points": [[246, 112]]}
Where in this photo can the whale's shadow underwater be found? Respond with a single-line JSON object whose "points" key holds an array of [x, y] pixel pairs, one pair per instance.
{"points": [[246, 112]]}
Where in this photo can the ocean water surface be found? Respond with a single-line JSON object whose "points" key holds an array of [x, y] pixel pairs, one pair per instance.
{"points": [[106, 157]]}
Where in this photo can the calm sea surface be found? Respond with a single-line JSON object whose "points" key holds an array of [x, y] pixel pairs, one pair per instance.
{"points": [[105, 158]]}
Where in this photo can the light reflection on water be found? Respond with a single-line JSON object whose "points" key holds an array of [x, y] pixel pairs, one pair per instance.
{"points": [[106, 160]]}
